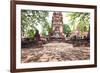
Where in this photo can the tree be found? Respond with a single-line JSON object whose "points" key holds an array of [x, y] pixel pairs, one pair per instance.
{"points": [[79, 20], [30, 19], [46, 29], [66, 29]]}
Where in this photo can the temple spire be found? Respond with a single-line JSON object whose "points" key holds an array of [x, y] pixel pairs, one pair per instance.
{"points": [[57, 24]]}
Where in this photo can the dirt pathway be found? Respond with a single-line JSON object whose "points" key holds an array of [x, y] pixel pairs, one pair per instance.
{"points": [[54, 52]]}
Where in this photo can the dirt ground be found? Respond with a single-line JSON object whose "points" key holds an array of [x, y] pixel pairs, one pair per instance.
{"points": [[55, 51]]}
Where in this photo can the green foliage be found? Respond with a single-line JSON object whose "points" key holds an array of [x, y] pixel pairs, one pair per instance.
{"points": [[46, 29], [30, 33], [79, 20], [66, 29], [30, 19]]}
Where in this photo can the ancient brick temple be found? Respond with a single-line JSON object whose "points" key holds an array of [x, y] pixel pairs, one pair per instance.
{"points": [[57, 24]]}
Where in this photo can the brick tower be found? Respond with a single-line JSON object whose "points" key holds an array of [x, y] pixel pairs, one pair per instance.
{"points": [[57, 24]]}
